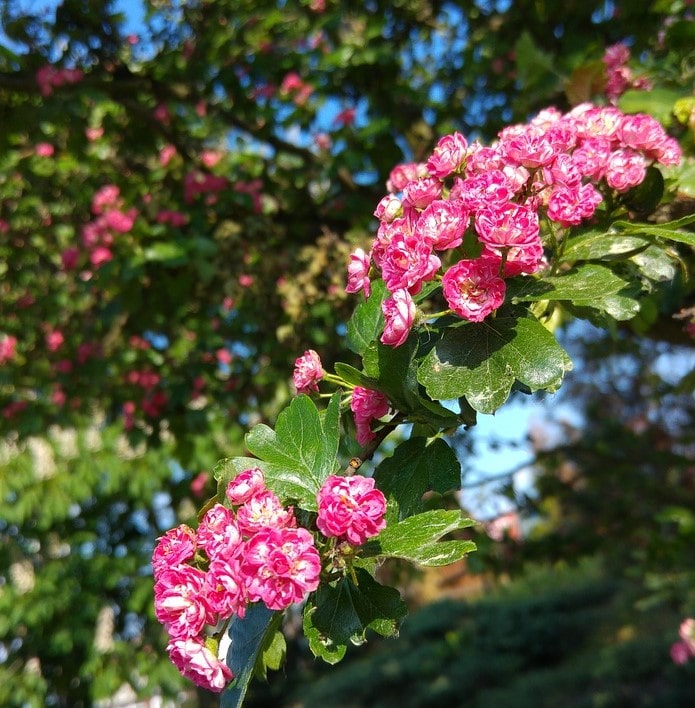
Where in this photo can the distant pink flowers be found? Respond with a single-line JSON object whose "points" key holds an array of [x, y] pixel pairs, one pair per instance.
{"points": [[684, 649], [49, 78], [8, 345], [619, 77], [308, 372], [367, 405], [351, 509], [470, 216]]}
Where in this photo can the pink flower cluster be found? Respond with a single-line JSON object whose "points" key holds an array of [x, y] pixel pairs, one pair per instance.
{"points": [[198, 182], [253, 552], [684, 650], [48, 78], [554, 167], [619, 76], [99, 234]]}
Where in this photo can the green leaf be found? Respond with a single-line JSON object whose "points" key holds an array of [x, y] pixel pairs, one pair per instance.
{"points": [[481, 361], [417, 539], [587, 285], [320, 645], [248, 636], [167, 252], [297, 456], [658, 102], [533, 64], [669, 230], [367, 320], [598, 244], [352, 376], [415, 468], [345, 610], [645, 197], [656, 264]]}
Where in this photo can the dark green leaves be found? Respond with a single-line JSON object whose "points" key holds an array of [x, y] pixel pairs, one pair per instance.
{"points": [[345, 610], [249, 638], [367, 321], [415, 468], [297, 456], [481, 361]]}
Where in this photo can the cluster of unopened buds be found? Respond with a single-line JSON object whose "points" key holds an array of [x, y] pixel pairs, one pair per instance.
{"points": [[472, 216], [252, 550]]}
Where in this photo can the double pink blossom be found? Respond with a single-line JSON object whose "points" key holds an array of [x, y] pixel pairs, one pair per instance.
{"points": [[351, 509], [367, 405], [399, 313], [358, 272], [408, 262], [174, 548], [474, 288], [308, 372], [196, 662], [245, 486], [282, 566], [449, 156]]}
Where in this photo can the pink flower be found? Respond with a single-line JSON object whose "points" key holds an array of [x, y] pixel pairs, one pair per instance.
{"points": [[388, 208], [405, 172], [680, 653], [166, 154], [70, 258], [120, 221], [174, 548], [367, 405], [569, 206], [350, 508], [263, 510], [531, 149], [245, 280], [106, 196], [591, 157], [626, 168], [408, 261], [54, 340], [93, 134], [44, 149], [508, 225], [218, 533], [358, 272], [161, 114], [225, 588], [197, 663], [419, 193], [474, 288], [180, 602], [687, 634], [345, 117], [8, 344], [486, 189], [449, 156], [245, 485], [281, 566], [443, 223], [198, 484], [308, 372], [224, 356], [399, 313], [210, 158]]}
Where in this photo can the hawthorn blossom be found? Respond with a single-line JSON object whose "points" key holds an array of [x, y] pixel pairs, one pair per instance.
{"points": [[351, 509], [531, 149], [358, 272], [173, 548], [44, 150], [474, 288], [8, 345], [404, 173], [367, 405], [225, 588], [245, 485], [308, 372], [449, 156], [196, 662], [569, 206], [399, 313], [408, 261], [281, 566], [443, 223], [218, 533], [626, 168], [508, 225], [419, 193], [263, 510], [180, 602]]}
